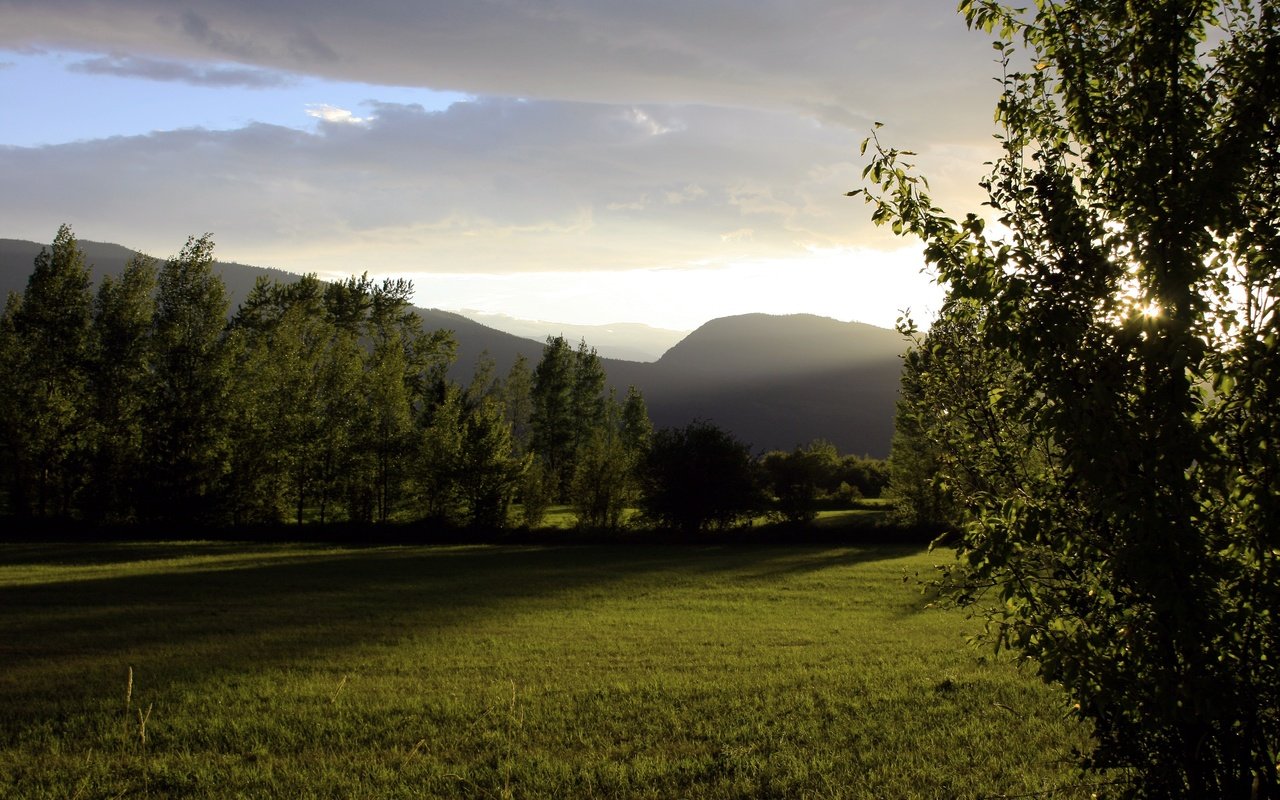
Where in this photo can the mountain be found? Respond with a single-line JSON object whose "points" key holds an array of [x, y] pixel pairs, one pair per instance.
{"points": [[774, 381], [17, 257], [629, 341], [779, 381]]}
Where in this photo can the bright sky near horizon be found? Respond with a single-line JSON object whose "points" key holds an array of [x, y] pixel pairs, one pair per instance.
{"points": [[583, 161]]}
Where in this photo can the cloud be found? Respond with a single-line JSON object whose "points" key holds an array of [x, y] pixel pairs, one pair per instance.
{"points": [[179, 72], [488, 185], [601, 136], [334, 115], [844, 62], [687, 194]]}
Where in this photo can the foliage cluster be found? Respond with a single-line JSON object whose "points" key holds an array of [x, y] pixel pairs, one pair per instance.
{"points": [[699, 477], [313, 402], [808, 478], [327, 402], [1098, 406]]}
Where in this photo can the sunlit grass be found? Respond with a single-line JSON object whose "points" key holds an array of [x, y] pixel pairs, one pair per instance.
{"points": [[560, 517], [293, 671]]}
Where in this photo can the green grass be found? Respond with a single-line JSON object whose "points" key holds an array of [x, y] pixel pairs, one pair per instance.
{"points": [[493, 672], [558, 517]]}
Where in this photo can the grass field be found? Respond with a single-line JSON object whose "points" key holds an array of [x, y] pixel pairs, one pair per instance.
{"points": [[504, 672]]}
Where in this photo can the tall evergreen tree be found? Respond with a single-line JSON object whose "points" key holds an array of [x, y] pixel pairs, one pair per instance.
{"points": [[553, 425], [637, 428], [517, 396], [588, 399], [490, 471]]}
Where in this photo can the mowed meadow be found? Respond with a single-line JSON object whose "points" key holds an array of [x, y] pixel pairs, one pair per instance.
{"points": [[506, 672]]}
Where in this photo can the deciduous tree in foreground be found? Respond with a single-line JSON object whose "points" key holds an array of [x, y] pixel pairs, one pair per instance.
{"points": [[1136, 560]]}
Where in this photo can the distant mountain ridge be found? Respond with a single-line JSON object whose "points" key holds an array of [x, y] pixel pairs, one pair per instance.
{"points": [[774, 381], [629, 341]]}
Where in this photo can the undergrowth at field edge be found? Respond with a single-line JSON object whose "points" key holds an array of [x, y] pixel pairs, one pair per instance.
{"points": [[495, 672]]}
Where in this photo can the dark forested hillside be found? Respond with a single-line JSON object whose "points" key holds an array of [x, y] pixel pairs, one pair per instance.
{"points": [[774, 381]]}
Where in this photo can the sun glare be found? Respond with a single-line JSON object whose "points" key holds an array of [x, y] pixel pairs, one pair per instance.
{"points": [[843, 283]]}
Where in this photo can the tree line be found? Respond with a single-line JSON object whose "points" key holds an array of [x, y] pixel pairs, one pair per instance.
{"points": [[327, 402]]}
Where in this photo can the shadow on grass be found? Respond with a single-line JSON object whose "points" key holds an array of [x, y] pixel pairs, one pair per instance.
{"points": [[87, 553], [809, 560], [232, 608]]}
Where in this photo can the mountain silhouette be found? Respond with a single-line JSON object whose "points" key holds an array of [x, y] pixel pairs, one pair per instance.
{"points": [[629, 341], [775, 382], [779, 381]]}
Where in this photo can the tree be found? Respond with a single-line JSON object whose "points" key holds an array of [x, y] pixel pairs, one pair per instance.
{"points": [[440, 458], [589, 403], [1135, 297], [187, 403], [955, 435], [484, 381], [534, 492], [604, 479], [403, 378], [282, 337], [799, 477], [45, 405], [118, 377], [860, 476], [334, 384], [568, 406], [386, 427], [468, 471], [517, 397], [698, 477], [489, 472], [339, 378], [600, 479], [12, 471], [552, 424], [637, 428]]}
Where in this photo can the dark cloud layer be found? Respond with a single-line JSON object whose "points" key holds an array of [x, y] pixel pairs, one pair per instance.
{"points": [[604, 134], [840, 60], [176, 71]]}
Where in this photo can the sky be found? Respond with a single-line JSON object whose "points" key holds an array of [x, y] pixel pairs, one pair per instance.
{"points": [[582, 161]]}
